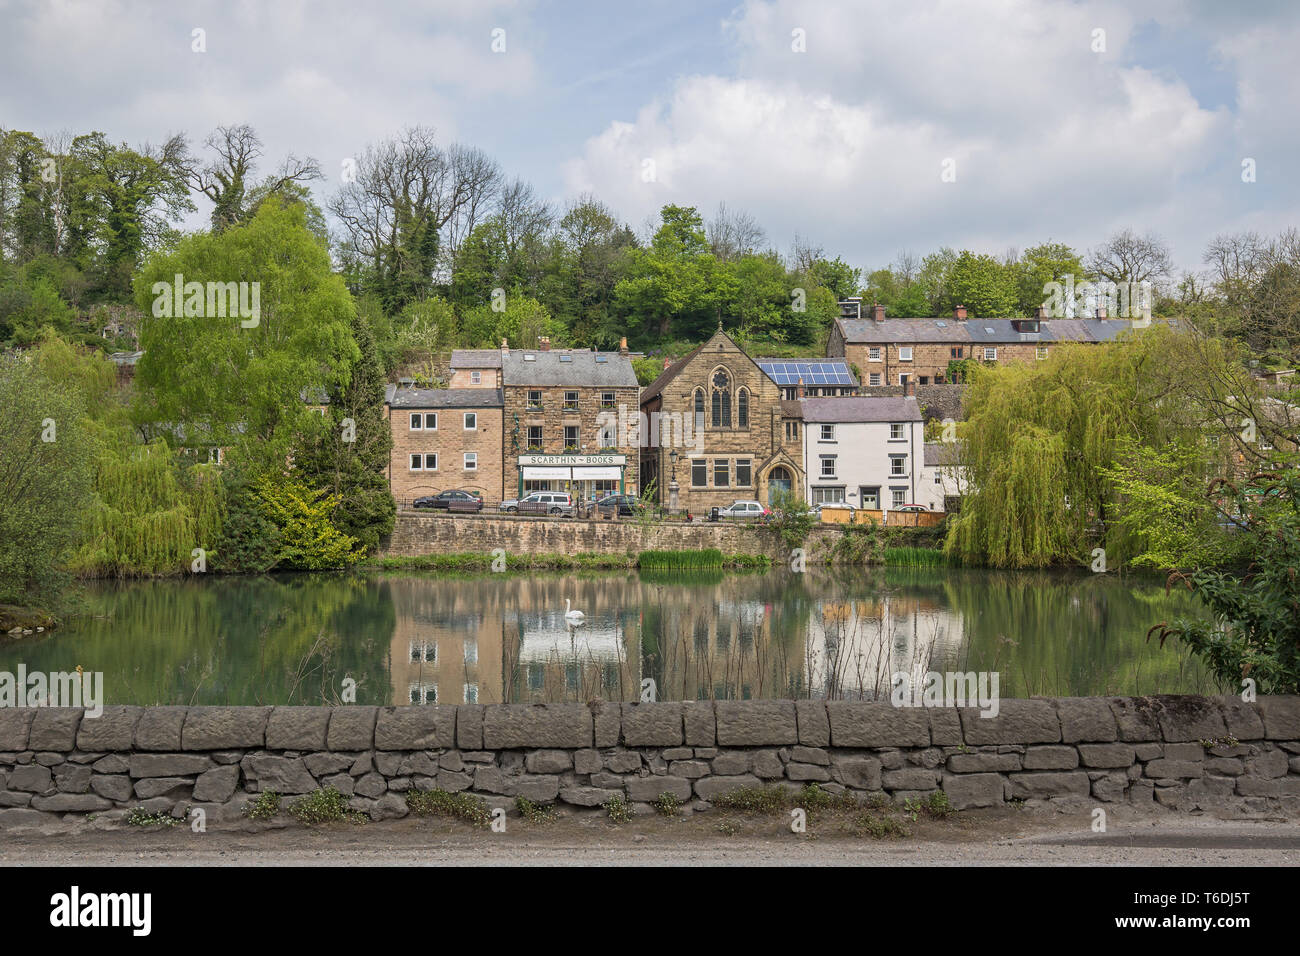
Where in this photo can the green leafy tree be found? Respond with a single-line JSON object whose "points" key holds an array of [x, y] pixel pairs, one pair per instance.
{"points": [[1254, 628], [237, 382], [983, 284], [1039, 265], [304, 521], [45, 473]]}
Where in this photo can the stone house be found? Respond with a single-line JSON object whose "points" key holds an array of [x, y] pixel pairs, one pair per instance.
{"points": [[443, 439], [718, 430], [569, 416], [890, 352]]}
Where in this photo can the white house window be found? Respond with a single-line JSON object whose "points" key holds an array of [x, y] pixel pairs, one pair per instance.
{"points": [[828, 466], [905, 353], [874, 379], [895, 431], [897, 497], [873, 354], [828, 433], [423, 693], [424, 462], [904, 378], [475, 378], [897, 466], [471, 461], [938, 478], [471, 421], [828, 496], [571, 401], [417, 422], [990, 355], [1040, 352]]}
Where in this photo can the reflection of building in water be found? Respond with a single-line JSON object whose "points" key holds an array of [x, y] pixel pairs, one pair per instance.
{"points": [[446, 646], [551, 660], [855, 646]]}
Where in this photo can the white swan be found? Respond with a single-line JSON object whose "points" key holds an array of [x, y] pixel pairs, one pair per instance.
{"points": [[571, 615]]}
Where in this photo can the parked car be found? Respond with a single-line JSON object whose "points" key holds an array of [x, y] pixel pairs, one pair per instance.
{"points": [[912, 509], [463, 500], [625, 505], [540, 503], [747, 508]]}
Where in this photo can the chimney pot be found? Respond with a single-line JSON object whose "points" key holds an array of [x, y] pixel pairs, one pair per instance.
{"points": [[799, 390], [505, 346], [959, 313], [667, 361]]}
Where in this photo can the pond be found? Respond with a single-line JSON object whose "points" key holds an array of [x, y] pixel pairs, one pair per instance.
{"points": [[412, 638]]}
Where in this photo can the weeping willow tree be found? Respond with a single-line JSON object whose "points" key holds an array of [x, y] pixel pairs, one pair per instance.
{"points": [[146, 516], [1043, 442], [146, 513]]}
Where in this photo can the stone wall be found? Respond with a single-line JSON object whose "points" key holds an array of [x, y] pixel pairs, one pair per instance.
{"points": [[1179, 753], [420, 534]]}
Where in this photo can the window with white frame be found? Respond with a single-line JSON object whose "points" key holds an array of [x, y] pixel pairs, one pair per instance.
{"points": [[904, 378], [938, 478], [423, 693], [897, 466], [476, 378], [427, 462], [905, 353], [471, 461], [897, 497], [1040, 352], [417, 421], [874, 379], [828, 466], [471, 421], [896, 431], [990, 355], [426, 651], [827, 496], [873, 354], [571, 401], [828, 433]]}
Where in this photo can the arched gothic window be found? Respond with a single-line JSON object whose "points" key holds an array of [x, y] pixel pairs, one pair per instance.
{"points": [[721, 400], [742, 408]]}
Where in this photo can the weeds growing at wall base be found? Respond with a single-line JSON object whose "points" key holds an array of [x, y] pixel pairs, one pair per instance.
{"points": [[457, 806]]}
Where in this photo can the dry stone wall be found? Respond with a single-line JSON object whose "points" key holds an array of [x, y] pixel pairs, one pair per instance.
{"points": [[1175, 752]]}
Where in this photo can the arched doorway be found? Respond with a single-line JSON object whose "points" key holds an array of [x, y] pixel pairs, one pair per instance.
{"points": [[778, 479]]}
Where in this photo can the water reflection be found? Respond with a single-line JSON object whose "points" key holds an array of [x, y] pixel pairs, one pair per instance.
{"points": [[421, 639]]}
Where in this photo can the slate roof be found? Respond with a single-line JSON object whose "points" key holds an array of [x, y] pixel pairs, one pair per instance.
{"points": [[860, 409], [443, 397], [942, 453], [576, 368], [475, 358], [978, 331]]}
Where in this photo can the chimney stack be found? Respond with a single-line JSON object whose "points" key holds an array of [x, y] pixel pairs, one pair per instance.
{"points": [[909, 389], [505, 346], [622, 345], [667, 362], [544, 344], [878, 312], [1040, 313], [799, 390], [959, 313]]}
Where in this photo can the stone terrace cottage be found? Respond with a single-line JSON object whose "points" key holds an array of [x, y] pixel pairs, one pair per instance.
{"points": [[741, 443], [560, 417], [444, 438], [917, 351]]}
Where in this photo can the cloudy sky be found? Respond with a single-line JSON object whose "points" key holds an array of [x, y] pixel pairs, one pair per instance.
{"points": [[830, 120]]}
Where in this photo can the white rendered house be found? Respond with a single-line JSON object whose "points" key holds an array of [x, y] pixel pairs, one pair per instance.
{"points": [[863, 452]]}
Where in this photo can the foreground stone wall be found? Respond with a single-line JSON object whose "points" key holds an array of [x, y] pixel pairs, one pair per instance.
{"points": [[1181, 753]]}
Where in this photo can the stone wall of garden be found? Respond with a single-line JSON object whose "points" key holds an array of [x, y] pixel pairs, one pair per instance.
{"points": [[1174, 752]]}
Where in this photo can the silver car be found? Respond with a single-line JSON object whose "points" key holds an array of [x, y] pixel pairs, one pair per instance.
{"points": [[540, 503]]}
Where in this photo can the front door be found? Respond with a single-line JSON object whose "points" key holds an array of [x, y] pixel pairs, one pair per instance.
{"points": [[870, 497]]}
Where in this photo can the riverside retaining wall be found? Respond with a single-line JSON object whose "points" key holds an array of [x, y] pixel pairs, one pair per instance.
{"points": [[1180, 753]]}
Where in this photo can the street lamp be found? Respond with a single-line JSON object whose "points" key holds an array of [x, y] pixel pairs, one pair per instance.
{"points": [[672, 485]]}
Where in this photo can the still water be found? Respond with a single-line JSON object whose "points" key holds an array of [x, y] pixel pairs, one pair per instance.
{"points": [[409, 638]]}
